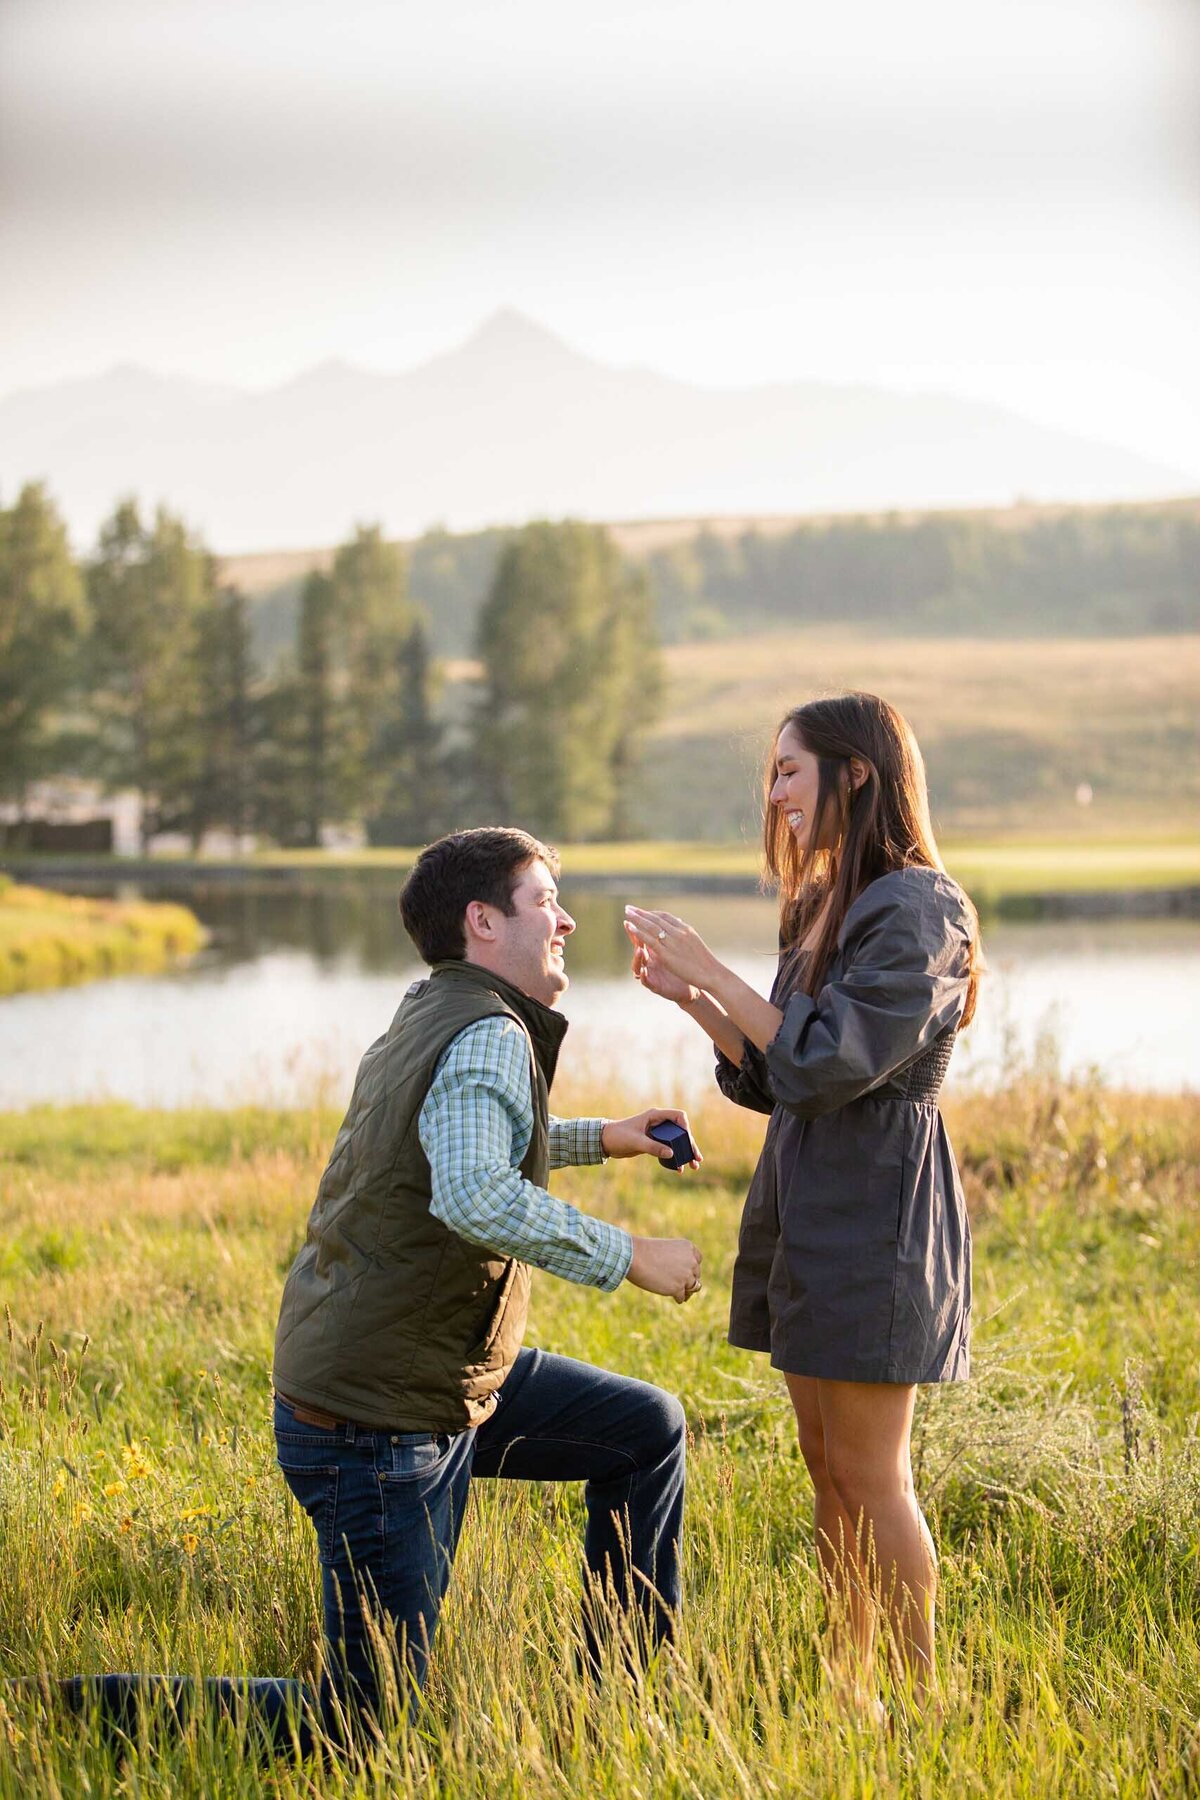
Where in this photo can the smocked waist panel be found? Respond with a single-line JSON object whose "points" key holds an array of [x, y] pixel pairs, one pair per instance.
{"points": [[922, 1081]]}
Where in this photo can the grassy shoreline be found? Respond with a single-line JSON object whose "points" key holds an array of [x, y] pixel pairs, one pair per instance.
{"points": [[51, 940], [143, 1525]]}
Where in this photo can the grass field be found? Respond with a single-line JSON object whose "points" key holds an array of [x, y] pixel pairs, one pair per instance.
{"points": [[142, 1525], [1011, 729], [52, 940]]}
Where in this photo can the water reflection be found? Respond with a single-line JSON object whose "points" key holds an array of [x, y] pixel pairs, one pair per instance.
{"points": [[299, 979], [355, 923]]}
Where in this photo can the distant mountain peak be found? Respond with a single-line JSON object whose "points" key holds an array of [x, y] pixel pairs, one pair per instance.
{"points": [[334, 371], [508, 333], [514, 423]]}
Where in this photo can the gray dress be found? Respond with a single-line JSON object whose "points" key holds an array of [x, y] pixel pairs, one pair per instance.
{"points": [[854, 1256]]}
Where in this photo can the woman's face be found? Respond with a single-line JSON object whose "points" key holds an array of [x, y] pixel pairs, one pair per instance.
{"points": [[797, 780]]}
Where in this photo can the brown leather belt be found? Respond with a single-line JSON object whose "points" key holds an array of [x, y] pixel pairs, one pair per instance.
{"points": [[312, 1415]]}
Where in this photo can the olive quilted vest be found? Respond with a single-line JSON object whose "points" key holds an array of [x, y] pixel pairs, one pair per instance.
{"points": [[390, 1318]]}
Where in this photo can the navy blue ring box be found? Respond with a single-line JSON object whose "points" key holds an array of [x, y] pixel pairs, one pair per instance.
{"points": [[675, 1139]]}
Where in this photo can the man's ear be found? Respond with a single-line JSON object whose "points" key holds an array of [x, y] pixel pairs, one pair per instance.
{"points": [[859, 770], [478, 922]]}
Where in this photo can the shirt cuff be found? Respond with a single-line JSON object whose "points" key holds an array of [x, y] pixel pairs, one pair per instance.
{"points": [[614, 1253], [575, 1142]]}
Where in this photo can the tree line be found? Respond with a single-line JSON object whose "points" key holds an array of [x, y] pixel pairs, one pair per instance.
{"points": [[136, 667], [1079, 572], [1069, 572]]}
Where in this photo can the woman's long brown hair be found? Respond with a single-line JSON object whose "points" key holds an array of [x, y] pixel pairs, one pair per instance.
{"points": [[858, 834]]}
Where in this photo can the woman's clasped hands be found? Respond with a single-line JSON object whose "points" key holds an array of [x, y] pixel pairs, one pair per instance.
{"points": [[669, 958]]}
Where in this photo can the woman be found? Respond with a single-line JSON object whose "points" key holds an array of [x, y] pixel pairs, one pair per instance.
{"points": [[853, 1265]]}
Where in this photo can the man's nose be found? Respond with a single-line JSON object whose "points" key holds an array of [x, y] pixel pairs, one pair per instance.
{"points": [[566, 923]]}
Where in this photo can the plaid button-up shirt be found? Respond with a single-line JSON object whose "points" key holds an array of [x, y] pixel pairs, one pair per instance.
{"points": [[475, 1127]]}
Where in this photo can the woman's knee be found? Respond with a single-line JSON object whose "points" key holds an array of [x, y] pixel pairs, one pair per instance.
{"points": [[866, 1484], [811, 1433], [812, 1449]]}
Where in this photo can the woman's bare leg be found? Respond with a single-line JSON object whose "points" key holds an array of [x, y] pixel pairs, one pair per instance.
{"points": [[850, 1608], [866, 1429]]}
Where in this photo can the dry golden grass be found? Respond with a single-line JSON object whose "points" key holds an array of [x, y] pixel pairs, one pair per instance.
{"points": [[1045, 689]]}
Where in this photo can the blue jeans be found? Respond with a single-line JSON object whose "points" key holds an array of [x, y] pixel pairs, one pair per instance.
{"points": [[273, 1712], [387, 1507]]}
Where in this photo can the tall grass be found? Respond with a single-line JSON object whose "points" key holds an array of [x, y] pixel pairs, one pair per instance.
{"points": [[50, 940], [143, 1526]]}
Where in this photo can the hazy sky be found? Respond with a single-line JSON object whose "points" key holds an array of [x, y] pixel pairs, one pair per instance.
{"points": [[999, 199]]}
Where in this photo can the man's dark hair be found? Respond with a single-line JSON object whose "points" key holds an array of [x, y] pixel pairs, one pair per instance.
{"points": [[483, 864]]}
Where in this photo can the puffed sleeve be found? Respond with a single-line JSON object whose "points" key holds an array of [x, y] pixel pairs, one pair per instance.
{"points": [[903, 968], [746, 1083]]}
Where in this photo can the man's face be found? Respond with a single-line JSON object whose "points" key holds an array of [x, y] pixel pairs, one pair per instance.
{"points": [[529, 943]]}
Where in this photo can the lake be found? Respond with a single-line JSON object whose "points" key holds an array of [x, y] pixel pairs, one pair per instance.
{"points": [[299, 979]]}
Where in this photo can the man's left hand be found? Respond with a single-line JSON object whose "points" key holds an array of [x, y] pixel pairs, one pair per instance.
{"points": [[630, 1137]]}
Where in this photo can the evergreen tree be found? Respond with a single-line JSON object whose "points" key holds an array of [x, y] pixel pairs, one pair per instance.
{"points": [[151, 589], [351, 732], [372, 621], [42, 619], [225, 793], [319, 760], [412, 808], [571, 678]]}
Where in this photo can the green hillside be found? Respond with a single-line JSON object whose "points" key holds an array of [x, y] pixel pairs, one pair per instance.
{"points": [[1014, 730]]}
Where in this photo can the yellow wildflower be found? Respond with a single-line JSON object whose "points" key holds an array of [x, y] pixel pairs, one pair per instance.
{"points": [[114, 1487], [82, 1511], [126, 1524], [191, 1542], [60, 1482]]}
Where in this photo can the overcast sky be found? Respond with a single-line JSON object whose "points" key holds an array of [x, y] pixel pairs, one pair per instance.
{"points": [[998, 199]]}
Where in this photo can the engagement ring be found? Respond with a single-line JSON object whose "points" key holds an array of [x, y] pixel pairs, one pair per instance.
{"points": [[662, 937]]}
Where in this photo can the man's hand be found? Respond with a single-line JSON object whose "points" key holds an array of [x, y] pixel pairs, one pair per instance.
{"points": [[665, 1266], [629, 1137]]}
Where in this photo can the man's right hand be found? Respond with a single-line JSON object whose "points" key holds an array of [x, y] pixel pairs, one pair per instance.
{"points": [[665, 1266]]}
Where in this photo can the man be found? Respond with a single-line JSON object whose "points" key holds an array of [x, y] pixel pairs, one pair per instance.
{"points": [[399, 1371]]}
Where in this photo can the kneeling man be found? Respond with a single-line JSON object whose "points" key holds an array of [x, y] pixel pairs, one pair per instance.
{"points": [[399, 1371]]}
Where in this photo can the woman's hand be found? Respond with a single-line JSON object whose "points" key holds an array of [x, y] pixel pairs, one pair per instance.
{"points": [[671, 949], [654, 978]]}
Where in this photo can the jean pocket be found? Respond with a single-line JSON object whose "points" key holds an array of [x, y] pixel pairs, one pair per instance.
{"points": [[411, 1454], [316, 1489]]}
